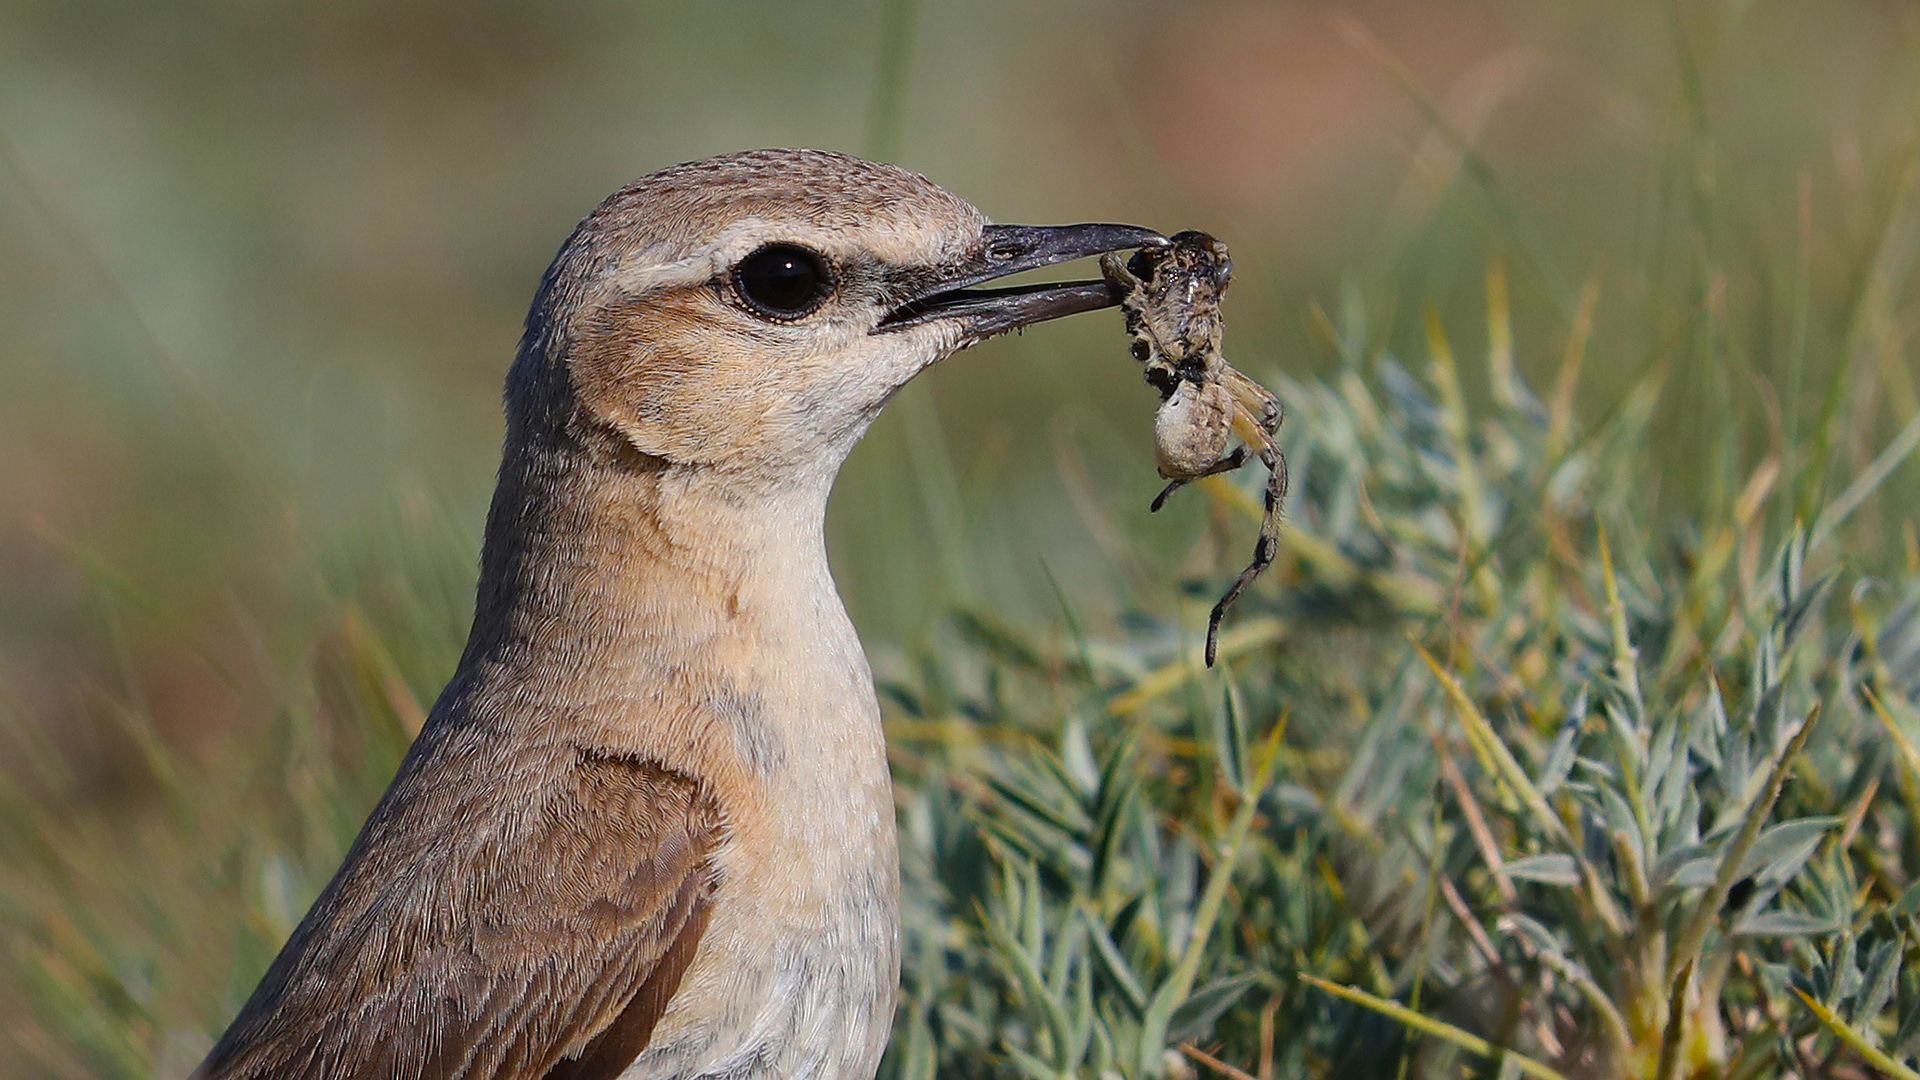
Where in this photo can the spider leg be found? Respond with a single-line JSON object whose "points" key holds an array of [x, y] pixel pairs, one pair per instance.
{"points": [[1262, 407], [1257, 429], [1255, 432], [1226, 464]]}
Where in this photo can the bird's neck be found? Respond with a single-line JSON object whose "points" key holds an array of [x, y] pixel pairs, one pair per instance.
{"points": [[657, 610], [585, 549]]}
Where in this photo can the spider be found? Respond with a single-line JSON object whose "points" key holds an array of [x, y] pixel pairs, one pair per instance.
{"points": [[1170, 296]]}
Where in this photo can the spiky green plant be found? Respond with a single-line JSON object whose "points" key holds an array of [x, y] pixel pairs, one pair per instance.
{"points": [[1592, 817]]}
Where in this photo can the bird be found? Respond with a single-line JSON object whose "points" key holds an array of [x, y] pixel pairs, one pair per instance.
{"points": [[647, 830]]}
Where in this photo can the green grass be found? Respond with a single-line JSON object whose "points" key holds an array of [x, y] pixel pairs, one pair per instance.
{"points": [[1574, 732]]}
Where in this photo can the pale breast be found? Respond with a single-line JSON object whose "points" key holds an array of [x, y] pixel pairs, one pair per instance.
{"points": [[796, 974]]}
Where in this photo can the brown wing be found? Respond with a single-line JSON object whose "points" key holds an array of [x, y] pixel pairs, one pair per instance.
{"points": [[527, 924]]}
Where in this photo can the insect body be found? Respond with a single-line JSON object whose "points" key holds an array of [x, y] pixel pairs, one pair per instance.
{"points": [[1170, 296]]}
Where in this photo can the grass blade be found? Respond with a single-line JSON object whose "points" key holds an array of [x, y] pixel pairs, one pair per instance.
{"points": [[1860, 1044], [1439, 1029], [1505, 765]]}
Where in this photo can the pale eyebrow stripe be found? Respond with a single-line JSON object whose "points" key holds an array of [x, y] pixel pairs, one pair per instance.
{"points": [[735, 242]]}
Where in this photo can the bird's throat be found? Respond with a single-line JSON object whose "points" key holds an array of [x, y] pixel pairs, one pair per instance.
{"points": [[652, 589]]}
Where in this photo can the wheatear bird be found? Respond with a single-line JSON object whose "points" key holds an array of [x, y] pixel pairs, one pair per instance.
{"points": [[648, 829]]}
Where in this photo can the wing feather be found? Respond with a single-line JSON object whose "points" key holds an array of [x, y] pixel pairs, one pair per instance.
{"points": [[531, 926]]}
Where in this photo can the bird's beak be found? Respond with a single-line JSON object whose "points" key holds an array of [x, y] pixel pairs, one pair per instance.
{"points": [[1010, 249]]}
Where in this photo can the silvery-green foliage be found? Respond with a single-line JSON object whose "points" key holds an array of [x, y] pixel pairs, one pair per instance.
{"points": [[1547, 768]]}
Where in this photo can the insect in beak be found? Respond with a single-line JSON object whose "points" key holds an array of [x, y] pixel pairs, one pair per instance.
{"points": [[1010, 249], [1170, 296]]}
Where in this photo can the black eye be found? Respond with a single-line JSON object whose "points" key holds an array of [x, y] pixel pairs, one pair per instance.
{"points": [[1142, 265], [783, 281]]}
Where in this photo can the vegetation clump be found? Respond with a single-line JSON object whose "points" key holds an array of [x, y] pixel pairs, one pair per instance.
{"points": [[1502, 777]]}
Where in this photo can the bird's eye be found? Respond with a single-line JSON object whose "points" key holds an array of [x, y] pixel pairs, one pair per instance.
{"points": [[783, 281]]}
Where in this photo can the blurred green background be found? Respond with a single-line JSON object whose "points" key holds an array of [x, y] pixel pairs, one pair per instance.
{"points": [[262, 267]]}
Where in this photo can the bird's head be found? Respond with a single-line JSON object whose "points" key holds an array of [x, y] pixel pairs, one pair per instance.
{"points": [[753, 312]]}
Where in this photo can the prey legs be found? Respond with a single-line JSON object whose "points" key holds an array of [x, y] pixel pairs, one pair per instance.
{"points": [[1226, 464], [1259, 434], [1255, 418]]}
